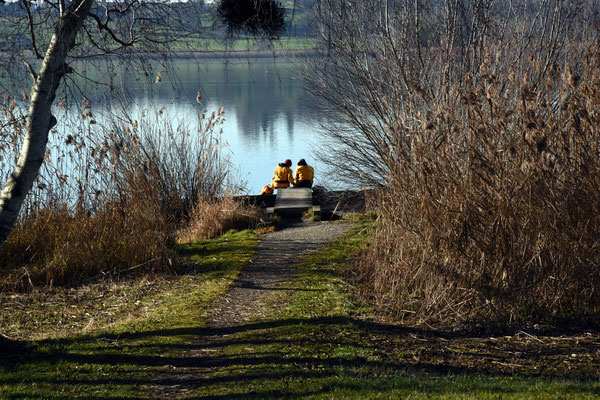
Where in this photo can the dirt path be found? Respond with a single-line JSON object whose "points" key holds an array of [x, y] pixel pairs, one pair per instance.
{"points": [[267, 279], [271, 269]]}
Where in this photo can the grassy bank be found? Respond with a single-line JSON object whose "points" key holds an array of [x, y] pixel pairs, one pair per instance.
{"points": [[318, 340], [324, 343], [111, 341]]}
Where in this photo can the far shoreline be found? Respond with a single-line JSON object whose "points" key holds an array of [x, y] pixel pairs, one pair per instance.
{"points": [[195, 54], [285, 53]]}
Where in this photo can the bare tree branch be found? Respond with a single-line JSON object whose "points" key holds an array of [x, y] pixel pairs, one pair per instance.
{"points": [[31, 29], [385, 65], [104, 27], [30, 70]]}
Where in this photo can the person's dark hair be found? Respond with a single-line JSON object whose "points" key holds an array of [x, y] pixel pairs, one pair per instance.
{"points": [[288, 162], [302, 162]]}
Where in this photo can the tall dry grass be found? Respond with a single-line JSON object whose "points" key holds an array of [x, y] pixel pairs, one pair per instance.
{"points": [[210, 219], [492, 213], [63, 247], [112, 196], [181, 162]]}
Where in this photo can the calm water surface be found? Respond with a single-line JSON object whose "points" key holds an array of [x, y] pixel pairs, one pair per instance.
{"points": [[267, 115]]}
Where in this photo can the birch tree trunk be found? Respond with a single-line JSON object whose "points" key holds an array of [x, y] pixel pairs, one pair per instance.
{"points": [[40, 119]]}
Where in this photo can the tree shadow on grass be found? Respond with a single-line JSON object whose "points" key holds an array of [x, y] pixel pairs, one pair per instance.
{"points": [[267, 352]]}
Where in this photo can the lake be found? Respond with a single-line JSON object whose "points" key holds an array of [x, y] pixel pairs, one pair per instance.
{"points": [[267, 113]]}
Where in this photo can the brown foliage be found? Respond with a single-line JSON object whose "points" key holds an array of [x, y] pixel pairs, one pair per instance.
{"points": [[58, 247], [213, 218], [492, 211], [110, 201]]}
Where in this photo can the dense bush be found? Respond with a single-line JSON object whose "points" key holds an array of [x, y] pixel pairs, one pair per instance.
{"points": [[259, 17], [494, 215], [479, 119]]}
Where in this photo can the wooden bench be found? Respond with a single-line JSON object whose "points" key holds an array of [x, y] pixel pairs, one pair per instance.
{"points": [[293, 201]]}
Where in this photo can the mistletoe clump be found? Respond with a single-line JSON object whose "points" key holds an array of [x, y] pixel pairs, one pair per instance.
{"points": [[259, 17]]}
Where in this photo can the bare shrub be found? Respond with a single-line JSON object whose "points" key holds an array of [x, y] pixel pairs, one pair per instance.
{"points": [[480, 120], [494, 215], [213, 218], [384, 63]]}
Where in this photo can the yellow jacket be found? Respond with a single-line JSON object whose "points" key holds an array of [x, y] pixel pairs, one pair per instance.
{"points": [[304, 173], [283, 177]]}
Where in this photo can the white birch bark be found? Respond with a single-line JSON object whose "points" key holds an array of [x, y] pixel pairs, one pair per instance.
{"points": [[40, 119]]}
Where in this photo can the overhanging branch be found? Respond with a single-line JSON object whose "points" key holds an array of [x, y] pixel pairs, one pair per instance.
{"points": [[30, 70], [104, 27], [31, 28]]}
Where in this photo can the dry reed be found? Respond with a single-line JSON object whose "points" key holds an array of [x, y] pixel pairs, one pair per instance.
{"points": [[113, 195], [492, 212], [213, 218]]}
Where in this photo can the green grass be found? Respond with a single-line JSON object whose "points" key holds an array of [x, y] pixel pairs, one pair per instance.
{"points": [[120, 360], [242, 44], [318, 341], [325, 343]]}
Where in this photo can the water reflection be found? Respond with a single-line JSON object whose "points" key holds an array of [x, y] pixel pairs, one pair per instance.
{"points": [[267, 118]]}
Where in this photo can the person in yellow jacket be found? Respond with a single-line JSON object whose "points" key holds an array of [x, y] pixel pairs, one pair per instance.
{"points": [[305, 174], [283, 177]]}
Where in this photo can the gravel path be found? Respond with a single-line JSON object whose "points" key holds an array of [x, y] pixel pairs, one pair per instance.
{"points": [[271, 270], [269, 277]]}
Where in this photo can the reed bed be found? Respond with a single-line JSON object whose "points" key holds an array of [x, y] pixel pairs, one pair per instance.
{"points": [[113, 196], [492, 212]]}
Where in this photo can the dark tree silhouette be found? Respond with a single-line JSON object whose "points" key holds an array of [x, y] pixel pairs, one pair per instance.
{"points": [[258, 17]]}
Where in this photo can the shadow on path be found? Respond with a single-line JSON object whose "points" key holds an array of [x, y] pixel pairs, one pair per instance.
{"points": [[333, 353]]}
